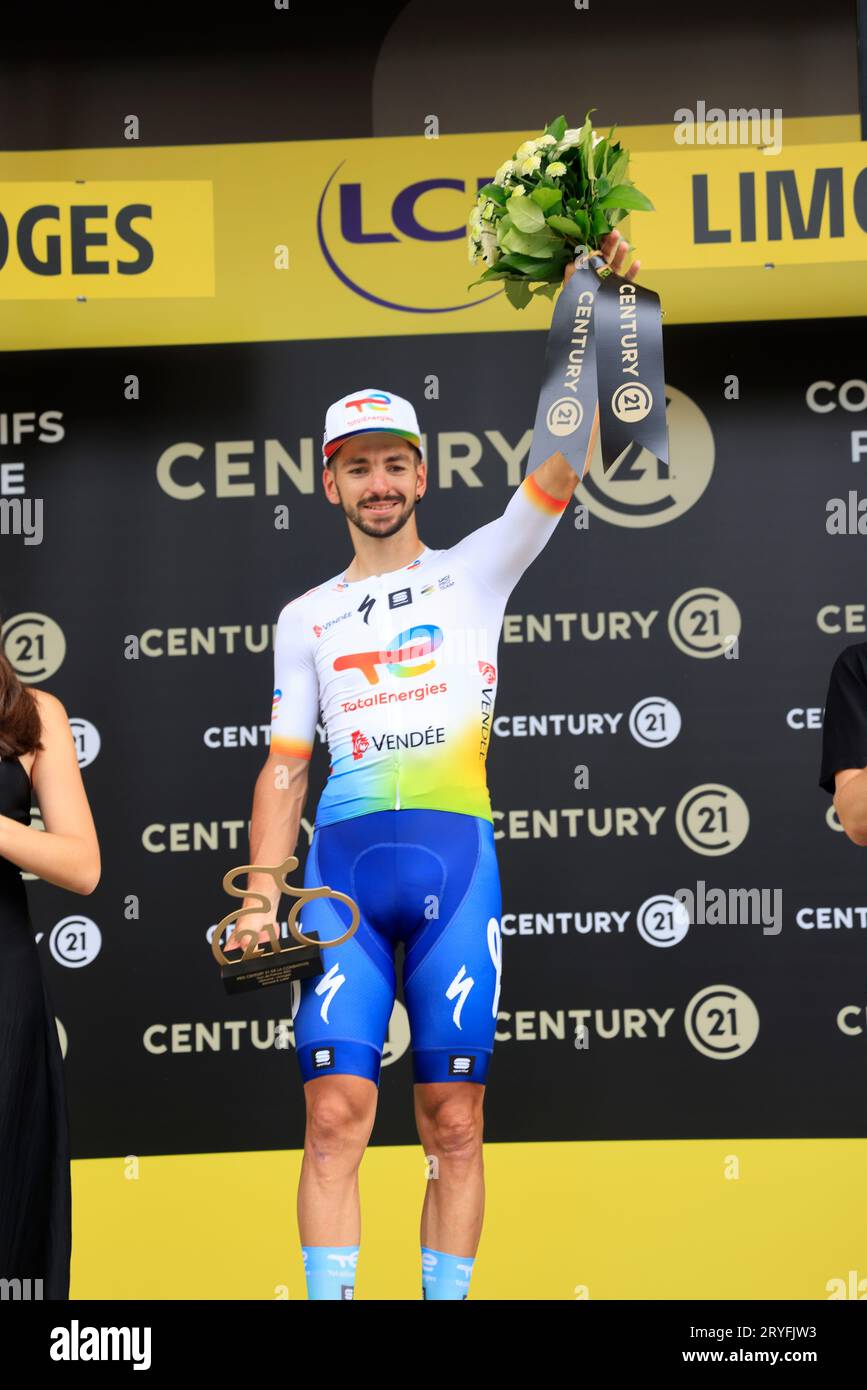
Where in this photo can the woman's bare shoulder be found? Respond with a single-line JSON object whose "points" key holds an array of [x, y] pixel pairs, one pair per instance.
{"points": [[51, 710]]}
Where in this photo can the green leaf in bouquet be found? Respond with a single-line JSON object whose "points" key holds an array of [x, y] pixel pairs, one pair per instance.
{"points": [[534, 267], [600, 154], [571, 226], [546, 196], [539, 244], [600, 224], [497, 271], [490, 274], [557, 128], [625, 195], [602, 186], [609, 149], [549, 290], [617, 216], [526, 214], [617, 171], [494, 191], [549, 270], [586, 148], [518, 293], [578, 218]]}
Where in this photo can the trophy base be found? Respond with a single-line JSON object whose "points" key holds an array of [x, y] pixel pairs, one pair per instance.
{"points": [[295, 962]]}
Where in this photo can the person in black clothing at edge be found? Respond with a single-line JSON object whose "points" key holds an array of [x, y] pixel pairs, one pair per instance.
{"points": [[844, 741], [37, 757]]}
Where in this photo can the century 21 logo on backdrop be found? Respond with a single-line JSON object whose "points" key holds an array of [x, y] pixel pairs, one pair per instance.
{"points": [[410, 646], [363, 218]]}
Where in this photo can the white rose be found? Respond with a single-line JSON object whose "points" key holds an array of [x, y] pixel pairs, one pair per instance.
{"points": [[545, 140], [557, 169], [528, 147], [504, 171], [531, 164]]}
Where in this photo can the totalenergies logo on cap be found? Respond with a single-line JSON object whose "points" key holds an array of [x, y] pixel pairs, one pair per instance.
{"points": [[411, 646], [378, 402]]}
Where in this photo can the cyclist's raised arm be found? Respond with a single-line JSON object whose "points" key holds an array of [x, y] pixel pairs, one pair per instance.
{"points": [[499, 552]]}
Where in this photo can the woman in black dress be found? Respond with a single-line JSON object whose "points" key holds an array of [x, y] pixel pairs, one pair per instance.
{"points": [[38, 757]]}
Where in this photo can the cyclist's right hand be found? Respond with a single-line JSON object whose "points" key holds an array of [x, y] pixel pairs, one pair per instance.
{"points": [[249, 920]]}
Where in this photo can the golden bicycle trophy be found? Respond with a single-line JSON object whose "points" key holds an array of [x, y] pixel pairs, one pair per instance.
{"points": [[256, 967]]}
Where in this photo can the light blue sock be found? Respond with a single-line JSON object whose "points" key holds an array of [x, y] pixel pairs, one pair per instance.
{"points": [[445, 1276], [330, 1270]]}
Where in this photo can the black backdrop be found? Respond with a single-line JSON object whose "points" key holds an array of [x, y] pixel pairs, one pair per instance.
{"points": [[121, 557]]}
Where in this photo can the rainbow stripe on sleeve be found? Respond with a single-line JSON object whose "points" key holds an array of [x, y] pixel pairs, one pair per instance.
{"points": [[291, 747], [542, 499]]}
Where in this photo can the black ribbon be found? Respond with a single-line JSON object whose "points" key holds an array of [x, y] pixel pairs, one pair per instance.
{"points": [[605, 337]]}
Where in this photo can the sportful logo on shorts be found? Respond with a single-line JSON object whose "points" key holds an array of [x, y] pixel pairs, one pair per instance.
{"points": [[413, 644], [461, 1066], [323, 1057]]}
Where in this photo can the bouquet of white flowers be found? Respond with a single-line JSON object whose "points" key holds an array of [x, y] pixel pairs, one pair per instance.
{"points": [[565, 190]]}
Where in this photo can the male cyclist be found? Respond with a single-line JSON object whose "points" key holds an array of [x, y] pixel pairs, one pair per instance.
{"points": [[399, 652]]}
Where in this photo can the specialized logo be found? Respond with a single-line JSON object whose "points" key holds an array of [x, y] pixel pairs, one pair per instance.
{"points": [[495, 951], [329, 985], [378, 401], [459, 988], [414, 644]]}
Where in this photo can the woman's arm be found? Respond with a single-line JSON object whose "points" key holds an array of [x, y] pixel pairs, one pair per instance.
{"points": [[850, 803], [66, 853]]}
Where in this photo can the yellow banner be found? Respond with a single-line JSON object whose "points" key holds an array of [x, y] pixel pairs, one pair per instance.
{"points": [[108, 239], [367, 238]]}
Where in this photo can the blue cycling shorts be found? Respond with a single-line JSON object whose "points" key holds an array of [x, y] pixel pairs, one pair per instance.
{"points": [[431, 880]]}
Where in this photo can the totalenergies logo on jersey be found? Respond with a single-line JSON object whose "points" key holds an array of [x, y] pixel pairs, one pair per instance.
{"points": [[406, 657]]}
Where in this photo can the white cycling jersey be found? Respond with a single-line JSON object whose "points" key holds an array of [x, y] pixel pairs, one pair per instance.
{"points": [[403, 667]]}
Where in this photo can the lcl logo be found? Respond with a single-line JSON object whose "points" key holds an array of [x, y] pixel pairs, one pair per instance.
{"points": [[406, 226]]}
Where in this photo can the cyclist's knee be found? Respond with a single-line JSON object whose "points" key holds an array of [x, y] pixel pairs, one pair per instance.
{"points": [[452, 1124], [340, 1114]]}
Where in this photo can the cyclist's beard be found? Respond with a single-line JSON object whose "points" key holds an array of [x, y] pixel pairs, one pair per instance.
{"points": [[371, 524]]}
